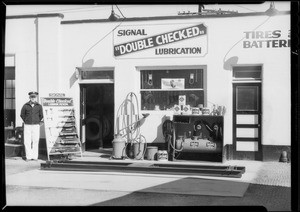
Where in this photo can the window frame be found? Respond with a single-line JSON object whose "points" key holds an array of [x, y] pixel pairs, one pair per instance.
{"points": [[9, 78], [247, 68], [160, 68]]}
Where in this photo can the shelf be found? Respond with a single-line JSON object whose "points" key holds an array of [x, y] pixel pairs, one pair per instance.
{"points": [[188, 89]]}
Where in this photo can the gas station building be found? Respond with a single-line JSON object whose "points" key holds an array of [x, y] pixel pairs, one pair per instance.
{"points": [[239, 61]]}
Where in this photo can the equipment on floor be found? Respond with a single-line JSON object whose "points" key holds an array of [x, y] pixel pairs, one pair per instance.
{"points": [[284, 157], [119, 147], [127, 130], [169, 134], [202, 135], [151, 152]]}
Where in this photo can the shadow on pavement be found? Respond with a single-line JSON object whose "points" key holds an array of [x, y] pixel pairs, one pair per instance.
{"points": [[272, 198]]}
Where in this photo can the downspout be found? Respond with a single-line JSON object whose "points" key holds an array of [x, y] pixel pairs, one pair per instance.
{"points": [[37, 55]]}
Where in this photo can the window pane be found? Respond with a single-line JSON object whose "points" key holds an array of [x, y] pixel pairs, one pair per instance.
{"points": [[8, 93], [152, 79], [253, 72], [167, 99], [8, 104], [9, 73], [247, 74], [247, 68], [13, 104], [8, 84], [247, 98], [97, 75]]}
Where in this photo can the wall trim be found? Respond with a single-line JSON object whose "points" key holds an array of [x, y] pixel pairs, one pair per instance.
{"points": [[172, 17], [269, 153], [48, 15]]}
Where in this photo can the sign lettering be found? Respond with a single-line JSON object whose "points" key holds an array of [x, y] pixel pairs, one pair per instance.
{"points": [[158, 40], [266, 39]]}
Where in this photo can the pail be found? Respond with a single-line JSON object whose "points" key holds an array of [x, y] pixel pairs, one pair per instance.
{"points": [[162, 155], [151, 152], [138, 150], [118, 147], [205, 111], [195, 111]]}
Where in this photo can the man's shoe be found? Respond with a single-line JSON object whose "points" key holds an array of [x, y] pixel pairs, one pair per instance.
{"points": [[34, 159]]}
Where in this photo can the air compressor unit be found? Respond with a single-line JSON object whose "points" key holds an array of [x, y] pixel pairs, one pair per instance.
{"points": [[194, 137]]}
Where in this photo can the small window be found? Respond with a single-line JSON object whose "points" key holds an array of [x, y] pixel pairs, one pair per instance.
{"points": [[247, 73], [97, 75], [247, 98], [9, 96]]}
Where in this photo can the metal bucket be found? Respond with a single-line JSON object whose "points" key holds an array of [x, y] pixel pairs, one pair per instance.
{"points": [[139, 150], [151, 152], [162, 155], [205, 111], [118, 147]]}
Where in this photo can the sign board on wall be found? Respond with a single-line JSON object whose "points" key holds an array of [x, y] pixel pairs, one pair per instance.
{"points": [[160, 41], [60, 126]]}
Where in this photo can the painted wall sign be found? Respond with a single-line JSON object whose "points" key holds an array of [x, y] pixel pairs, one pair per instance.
{"points": [[266, 39], [156, 41]]}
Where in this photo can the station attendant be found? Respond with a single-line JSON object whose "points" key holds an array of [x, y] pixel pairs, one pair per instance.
{"points": [[32, 116]]}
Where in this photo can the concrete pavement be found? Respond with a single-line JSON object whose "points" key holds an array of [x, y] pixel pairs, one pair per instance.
{"points": [[26, 184]]}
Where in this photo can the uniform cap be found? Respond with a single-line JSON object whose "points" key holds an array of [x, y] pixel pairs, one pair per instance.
{"points": [[33, 93]]}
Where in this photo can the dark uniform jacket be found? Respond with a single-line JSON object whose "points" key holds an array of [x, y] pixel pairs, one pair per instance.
{"points": [[32, 115]]}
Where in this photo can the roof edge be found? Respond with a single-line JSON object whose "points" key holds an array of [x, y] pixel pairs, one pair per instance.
{"points": [[45, 15], [171, 17]]}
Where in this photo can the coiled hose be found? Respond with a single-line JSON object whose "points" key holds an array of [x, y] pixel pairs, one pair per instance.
{"points": [[133, 134]]}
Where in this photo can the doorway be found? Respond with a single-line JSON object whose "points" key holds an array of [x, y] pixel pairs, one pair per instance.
{"points": [[247, 121], [97, 115]]}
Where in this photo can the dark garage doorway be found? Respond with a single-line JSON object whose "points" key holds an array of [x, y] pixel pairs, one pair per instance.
{"points": [[97, 115]]}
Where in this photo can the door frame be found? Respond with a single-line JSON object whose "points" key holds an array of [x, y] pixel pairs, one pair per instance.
{"points": [[81, 82], [253, 155], [82, 115]]}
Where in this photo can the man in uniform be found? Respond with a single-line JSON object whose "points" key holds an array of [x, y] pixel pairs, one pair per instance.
{"points": [[32, 116]]}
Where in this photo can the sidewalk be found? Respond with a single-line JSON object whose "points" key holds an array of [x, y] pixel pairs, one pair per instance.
{"points": [[257, 172], [268, 185]]}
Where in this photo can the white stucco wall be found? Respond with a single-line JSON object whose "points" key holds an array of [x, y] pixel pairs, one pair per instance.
{"points": [[78, 43], [20, 40]]}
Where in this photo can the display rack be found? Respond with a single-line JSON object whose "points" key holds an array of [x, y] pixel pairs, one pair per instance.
{"points": [[60, 127]]}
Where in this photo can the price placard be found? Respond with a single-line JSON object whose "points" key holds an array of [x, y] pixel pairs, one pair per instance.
{"points": [[60, 126]]}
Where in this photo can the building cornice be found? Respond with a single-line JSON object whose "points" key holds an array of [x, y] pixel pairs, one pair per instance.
{"points": [[171, 17], [46, 15], [178, 17]]}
